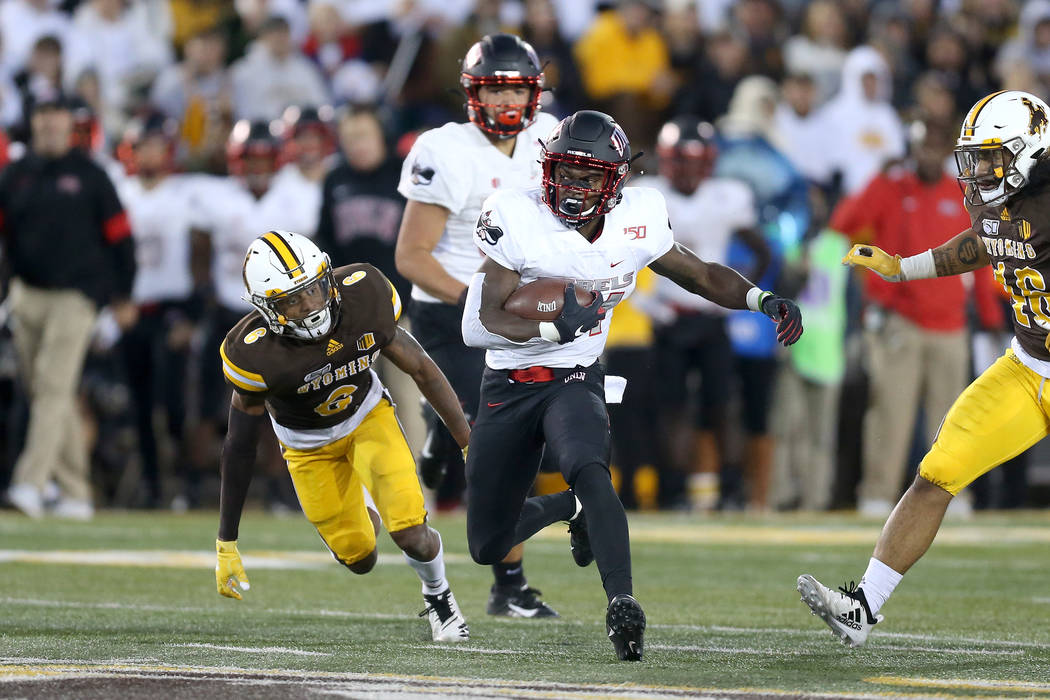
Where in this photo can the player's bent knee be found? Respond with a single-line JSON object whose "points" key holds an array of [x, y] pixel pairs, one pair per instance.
{"points": [[363, 566], [490, 551], [417, 542]]}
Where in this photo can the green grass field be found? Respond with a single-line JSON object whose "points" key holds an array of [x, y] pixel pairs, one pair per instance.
{"points": [[126, 605]]}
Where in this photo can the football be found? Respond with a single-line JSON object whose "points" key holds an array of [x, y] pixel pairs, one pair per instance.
{"points": [[542, 299]]}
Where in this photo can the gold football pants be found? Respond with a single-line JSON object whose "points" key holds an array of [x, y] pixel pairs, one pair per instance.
{"points": [[328, 481], [999, 416]]}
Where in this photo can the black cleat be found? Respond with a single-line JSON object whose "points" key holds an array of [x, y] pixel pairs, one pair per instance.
{"points": [[514, 601], [625, 625], [580, 541]]}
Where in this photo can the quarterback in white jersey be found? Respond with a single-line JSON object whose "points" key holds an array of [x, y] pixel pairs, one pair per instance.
{"points": [[543, 385], [445, 178]]}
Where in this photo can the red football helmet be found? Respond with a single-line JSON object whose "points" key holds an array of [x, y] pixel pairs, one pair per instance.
{"points": [[252, 153], [687, 152], [502, 60], [150, 125]]}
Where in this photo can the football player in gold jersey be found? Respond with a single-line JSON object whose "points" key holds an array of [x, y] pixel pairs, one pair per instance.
{"points": [[1004, 170], [306, 358]]}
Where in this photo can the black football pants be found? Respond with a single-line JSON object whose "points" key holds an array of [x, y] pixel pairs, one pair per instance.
{"points": [[506, 445]]}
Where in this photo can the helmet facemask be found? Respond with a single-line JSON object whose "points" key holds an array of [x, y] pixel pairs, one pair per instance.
{"points": [[987, 172], [305, 311], [573, 197], [502, 120]]}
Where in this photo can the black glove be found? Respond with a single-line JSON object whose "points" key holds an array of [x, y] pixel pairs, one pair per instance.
{"points": [[787, 315], [575, 320]]}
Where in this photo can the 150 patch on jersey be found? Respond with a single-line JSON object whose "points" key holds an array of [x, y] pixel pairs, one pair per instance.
{"points": [[487, 230]]}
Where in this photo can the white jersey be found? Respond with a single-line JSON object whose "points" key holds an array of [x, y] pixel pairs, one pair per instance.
{"points": [[234, 217], [161, 219], [457, 167], [303, 196], [519, 232], [704, 222]]}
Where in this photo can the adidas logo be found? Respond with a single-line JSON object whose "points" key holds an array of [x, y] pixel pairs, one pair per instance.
{"points": [[334, 346], [851, 619]]}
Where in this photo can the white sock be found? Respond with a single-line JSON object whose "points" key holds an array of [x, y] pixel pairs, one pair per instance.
{"points": [[878, 583], [369, 503], [431, 573]]}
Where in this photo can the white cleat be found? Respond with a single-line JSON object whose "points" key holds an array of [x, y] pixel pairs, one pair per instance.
{"points": [[845, 611], [447, 623], [27, 499]]}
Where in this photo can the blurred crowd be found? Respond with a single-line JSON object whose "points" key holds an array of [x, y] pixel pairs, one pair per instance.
{"points": [[781, 131]]}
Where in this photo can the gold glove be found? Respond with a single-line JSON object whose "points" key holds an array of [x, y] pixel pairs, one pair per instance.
{"points": [[886, 266], [230, 578]]}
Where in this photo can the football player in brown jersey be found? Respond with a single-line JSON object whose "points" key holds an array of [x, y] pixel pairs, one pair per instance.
{"points": [[1004, 171], [306, 358]]}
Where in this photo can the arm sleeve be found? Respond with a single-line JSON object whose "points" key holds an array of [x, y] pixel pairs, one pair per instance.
{"points": [[387, 305], [429, 174], [475, 334], [116, 229], [743, 207]]}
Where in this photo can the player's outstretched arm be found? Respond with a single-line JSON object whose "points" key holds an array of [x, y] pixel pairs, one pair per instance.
{"points": [[235, 465], [406, 353], [727, 287], [963, 253]]}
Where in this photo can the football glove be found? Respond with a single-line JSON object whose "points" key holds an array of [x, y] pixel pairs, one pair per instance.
{"points": [[787, 315], [230, 578], [886, 266], [575, 320]]}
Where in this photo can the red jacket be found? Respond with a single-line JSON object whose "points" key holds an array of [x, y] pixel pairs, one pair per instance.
{"points": [[902, 215]]}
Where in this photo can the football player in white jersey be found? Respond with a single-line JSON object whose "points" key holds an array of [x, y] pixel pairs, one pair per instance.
{"points": [[706, 212], [447, 175], [543, 383], [308, 145], [156, 348]]}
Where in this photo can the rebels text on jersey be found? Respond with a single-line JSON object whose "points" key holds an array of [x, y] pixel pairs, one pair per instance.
{"points": [[518, 231], [1017, 238], [318, 391], [457, 167]]}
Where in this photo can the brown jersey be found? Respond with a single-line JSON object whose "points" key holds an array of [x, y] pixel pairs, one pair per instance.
{"points": [[316, 384], [1017, 238]]}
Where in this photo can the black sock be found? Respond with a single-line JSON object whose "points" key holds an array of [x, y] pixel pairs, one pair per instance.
{"points": [[540, 511], [509, 574], [606, 527]]}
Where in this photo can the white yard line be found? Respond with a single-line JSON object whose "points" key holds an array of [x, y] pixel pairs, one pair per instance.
{"points": [[253, 650]]}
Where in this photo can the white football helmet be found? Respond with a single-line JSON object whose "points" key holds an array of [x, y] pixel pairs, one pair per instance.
{"points": [[289, 280], [1001, 138]]}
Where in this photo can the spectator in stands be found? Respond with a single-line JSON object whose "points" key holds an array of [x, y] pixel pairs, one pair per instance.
{"points": [[273, 76], [24, 22], [947, 53], [1031, 46], [128, 51], [540, 29], [40, 79], [70, 251], [805, 127], [749, 152], [707, 87], [821, 48], [626, 68], [868, 131], [198, 93], [915, 332], [761, 25]]}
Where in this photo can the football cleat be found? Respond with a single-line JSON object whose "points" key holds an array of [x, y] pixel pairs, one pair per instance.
{"points": [[579, 540], [518, 601], [625, 625], [447, 623], [845, 612]]}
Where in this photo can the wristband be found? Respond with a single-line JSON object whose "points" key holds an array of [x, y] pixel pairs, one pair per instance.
{"points": [[755, 297], [918, 267], [548, 331]]}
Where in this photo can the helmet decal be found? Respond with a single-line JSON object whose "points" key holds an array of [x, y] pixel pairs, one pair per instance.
{"points": [[1037, 122]]}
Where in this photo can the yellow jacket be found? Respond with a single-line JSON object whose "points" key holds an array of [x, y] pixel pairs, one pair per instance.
{"points": [[612, 61]]}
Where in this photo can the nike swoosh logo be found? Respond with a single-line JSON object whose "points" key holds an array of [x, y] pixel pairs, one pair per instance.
{"points": [[579, 331], [522, 612], [493, 405], [633, 647], [615, 264]]}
